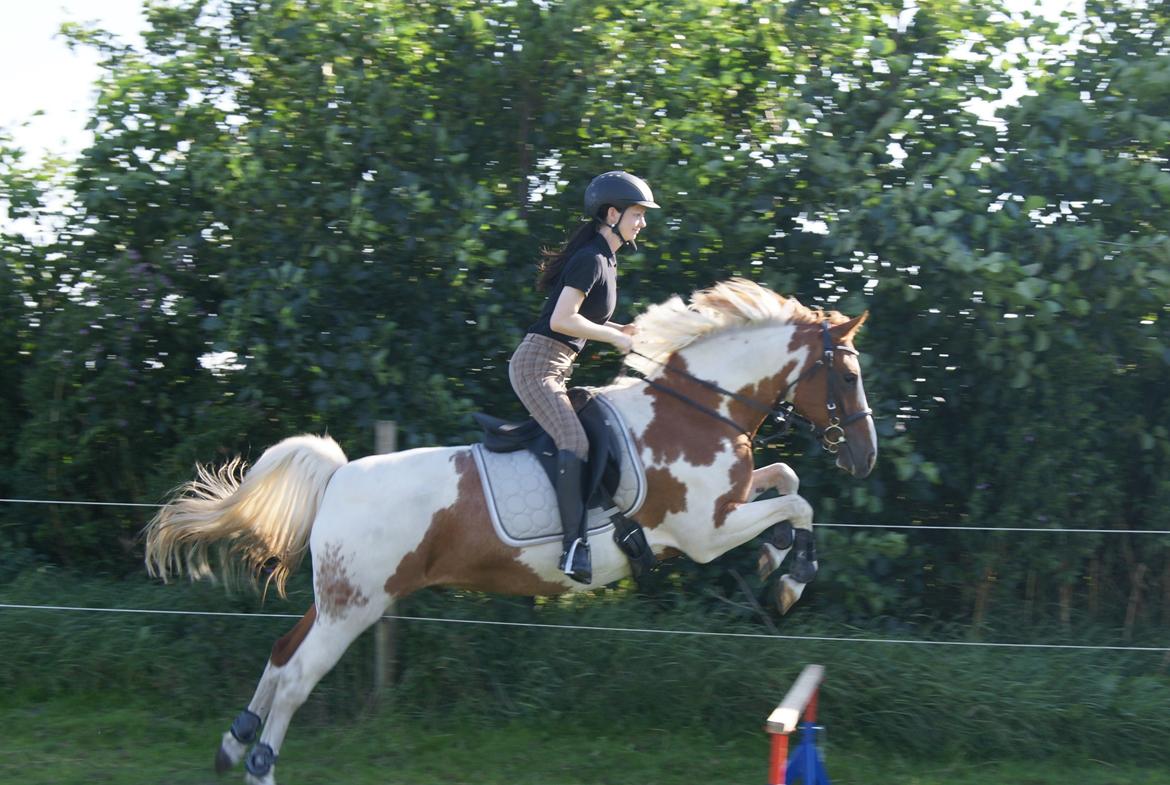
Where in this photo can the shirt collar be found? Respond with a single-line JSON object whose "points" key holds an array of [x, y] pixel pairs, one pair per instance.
{"points": [[603, 244]]}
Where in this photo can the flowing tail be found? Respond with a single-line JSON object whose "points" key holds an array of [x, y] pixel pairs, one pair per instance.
{"points": [[255, 520]]}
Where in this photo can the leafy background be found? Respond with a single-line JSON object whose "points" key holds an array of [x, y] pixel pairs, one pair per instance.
{"points": [[350, 197]]}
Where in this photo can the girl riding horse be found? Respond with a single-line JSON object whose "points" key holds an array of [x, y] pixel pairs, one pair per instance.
{"points": [[581, 281]]}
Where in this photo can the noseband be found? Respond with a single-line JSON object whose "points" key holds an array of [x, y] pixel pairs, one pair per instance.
{"points": [[783, 413]]}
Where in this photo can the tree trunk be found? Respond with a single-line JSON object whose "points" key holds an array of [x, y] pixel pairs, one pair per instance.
{"points": [[1066, 593], [1094, 586], [983, 599], [1135, 600], [1166, 594], [1030, 589]]}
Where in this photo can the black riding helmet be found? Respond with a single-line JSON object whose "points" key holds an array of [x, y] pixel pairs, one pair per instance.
{"points": [[620, 189]]}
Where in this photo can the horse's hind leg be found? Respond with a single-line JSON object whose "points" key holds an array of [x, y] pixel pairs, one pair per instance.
{"points": [[246, 727], [323, 644]]}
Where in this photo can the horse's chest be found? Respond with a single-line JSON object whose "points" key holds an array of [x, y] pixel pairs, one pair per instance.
{"points": [[681, 488]]}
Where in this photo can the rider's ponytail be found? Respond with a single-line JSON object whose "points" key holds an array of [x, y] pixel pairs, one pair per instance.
{"points": [[553, 261]]}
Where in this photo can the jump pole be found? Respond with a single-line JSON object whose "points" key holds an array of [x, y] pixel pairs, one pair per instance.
{"points": [[800, 702]]}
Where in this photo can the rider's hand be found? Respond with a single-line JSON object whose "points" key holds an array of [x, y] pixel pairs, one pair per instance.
{"points": [[623, 343]]}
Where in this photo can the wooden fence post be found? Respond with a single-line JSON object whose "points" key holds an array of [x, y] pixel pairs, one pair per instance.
{"points": [[385, 630]]}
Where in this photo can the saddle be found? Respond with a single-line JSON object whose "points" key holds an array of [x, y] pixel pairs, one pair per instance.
{"points": [[603, 463], [517, 464]]}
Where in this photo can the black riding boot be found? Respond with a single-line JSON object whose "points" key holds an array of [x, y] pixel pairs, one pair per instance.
{"points": [[575, 561]]}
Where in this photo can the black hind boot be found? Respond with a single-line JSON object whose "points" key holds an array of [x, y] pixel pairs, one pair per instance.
{"points": [[575, 560]]}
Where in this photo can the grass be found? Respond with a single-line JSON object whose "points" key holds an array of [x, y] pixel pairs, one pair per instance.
{"points": [[95, 740], [127, 698]]}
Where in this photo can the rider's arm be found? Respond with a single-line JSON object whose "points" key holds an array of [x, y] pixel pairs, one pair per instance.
{"points": [[567, 320]]}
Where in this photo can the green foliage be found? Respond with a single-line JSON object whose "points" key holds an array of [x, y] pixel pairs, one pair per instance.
{"points": [[343, 202], [595, 659]]}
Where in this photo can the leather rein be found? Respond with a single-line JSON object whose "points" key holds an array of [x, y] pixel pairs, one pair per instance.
{"points": [[783, 413]]}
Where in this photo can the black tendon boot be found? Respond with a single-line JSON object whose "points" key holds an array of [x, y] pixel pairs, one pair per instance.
{"points": [[575, 561]]}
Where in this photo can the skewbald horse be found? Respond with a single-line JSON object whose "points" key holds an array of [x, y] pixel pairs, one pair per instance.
{"points": [[384, 526]]}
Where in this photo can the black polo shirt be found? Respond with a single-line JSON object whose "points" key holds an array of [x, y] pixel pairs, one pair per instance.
{"points": [[593, 270]]}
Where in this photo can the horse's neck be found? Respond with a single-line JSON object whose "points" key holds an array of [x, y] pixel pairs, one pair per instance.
{"points": [[759, 361], [749, 358]]}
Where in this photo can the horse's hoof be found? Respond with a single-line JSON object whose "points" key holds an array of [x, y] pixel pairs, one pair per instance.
{"points": [[770, 560], [788, 591], [230, 753], [223, 761]]}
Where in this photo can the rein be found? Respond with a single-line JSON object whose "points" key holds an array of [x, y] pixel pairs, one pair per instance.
{"points": [[783, 413]]}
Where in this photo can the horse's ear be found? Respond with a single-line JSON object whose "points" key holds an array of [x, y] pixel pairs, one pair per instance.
{"points": [[844, 332]]}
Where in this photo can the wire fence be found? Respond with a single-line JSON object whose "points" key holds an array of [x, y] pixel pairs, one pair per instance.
{"points": [[650, 631], [895, 526], [617, 630]]}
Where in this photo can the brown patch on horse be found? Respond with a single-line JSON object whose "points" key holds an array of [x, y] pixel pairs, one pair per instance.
{"points": [[740, 476], [666, 435], [812, 393], [461, 549], [765, 392], [664, 494], [284, 649], [335, 592]]}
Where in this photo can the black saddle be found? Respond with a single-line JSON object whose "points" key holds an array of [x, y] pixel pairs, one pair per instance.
{"points": [[603, 470]]}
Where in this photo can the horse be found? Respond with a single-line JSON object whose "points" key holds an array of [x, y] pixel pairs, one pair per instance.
{"points": [[706, 374]]}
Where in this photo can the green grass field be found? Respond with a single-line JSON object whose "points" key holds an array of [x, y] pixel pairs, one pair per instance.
{"points": [[73, 742], [133, 698]]}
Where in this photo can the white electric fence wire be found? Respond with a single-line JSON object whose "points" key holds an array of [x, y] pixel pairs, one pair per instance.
{"points": [[86, 504], [914, 526], [635, 630]]}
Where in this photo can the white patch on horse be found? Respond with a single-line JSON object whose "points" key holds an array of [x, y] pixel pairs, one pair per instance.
{"points": [[375, 503], [752, 356]]}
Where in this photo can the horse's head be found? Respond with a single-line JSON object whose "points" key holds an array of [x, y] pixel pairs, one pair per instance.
{"points": [[829, 393], [763, 355]]}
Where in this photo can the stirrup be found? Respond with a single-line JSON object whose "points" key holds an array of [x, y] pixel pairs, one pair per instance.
{"points": [[577, 563]]}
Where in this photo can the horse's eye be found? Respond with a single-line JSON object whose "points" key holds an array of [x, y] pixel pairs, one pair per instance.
{"points": [[850, 378]]}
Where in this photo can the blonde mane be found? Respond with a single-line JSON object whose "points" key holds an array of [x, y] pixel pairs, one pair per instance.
{"points": [[669, 326]]}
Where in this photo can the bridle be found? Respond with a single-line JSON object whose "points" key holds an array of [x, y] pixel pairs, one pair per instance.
{"points": [[783, 413]]}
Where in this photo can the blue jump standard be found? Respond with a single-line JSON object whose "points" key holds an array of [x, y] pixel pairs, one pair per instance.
{"points": [[805, 765]]}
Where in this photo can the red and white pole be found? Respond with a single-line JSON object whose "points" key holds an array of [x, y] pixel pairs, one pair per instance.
{"points": [[801, 701]]}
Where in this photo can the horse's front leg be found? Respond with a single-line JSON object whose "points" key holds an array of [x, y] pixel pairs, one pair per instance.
{"points": [[778, 477], [789, 533], [741, 523], [781, 478], [785, 537]]}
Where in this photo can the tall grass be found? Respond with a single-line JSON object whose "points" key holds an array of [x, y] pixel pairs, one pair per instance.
{"points": [[921, 699]]}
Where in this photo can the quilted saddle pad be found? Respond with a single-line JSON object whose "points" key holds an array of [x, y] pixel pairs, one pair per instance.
{"points": [[523, 502]]}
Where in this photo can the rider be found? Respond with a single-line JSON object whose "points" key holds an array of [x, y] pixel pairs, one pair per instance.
{"points": [[581, 281]]}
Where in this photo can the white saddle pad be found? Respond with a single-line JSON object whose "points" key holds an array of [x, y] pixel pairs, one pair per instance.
{"points": [[523, 502]]}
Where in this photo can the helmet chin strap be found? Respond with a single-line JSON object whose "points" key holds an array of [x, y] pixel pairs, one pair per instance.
{"points": [[614, 227]]}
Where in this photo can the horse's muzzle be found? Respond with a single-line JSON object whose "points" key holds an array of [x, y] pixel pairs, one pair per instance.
{"points": [[857, 468]]}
